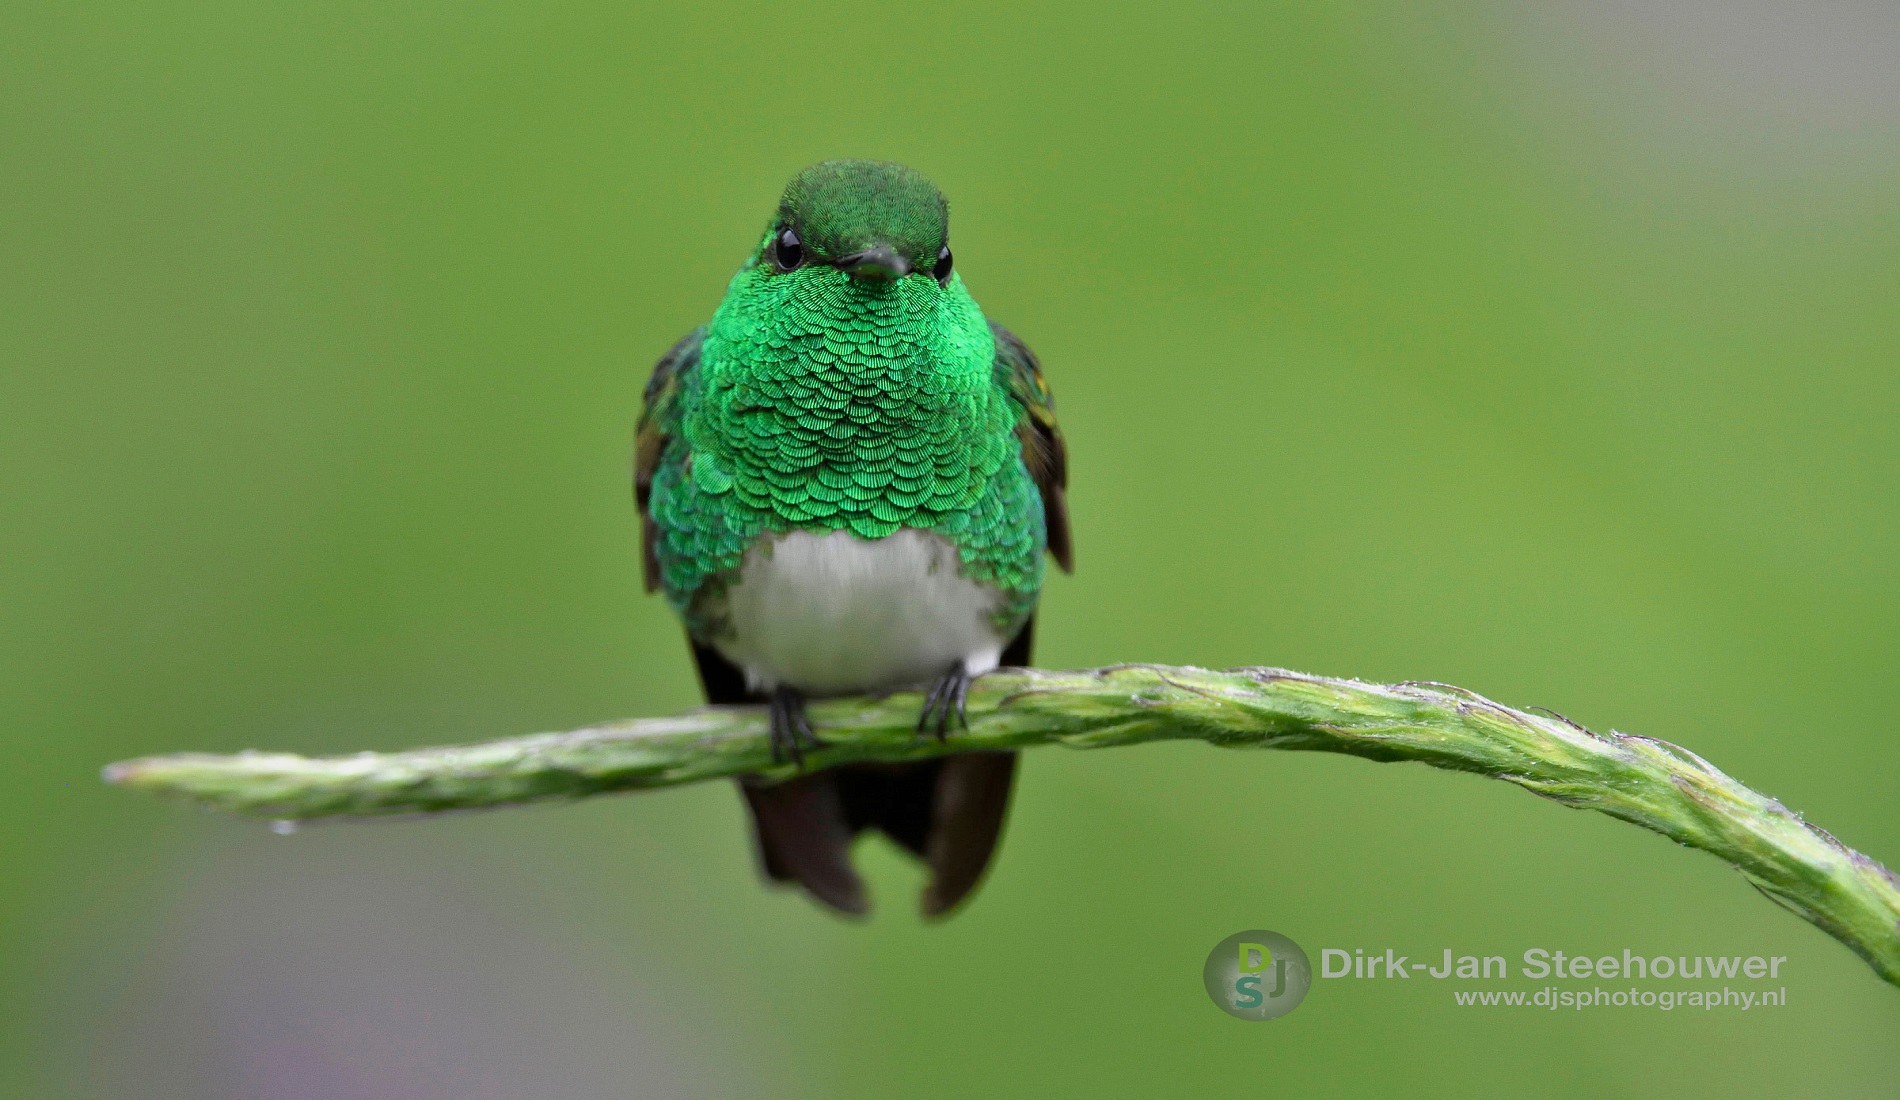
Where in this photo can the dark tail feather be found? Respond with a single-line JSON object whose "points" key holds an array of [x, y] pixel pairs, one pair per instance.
{"points": [[967, 822], [948, 812], [802, 836]]}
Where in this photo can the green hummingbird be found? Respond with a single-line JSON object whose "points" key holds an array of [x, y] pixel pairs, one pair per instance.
{"points": [[847, 482]]}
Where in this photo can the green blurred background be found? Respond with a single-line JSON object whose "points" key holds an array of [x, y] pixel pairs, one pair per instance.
{"points": [[1545, 349]]}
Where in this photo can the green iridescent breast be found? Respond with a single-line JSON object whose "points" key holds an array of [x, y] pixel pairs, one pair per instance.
{"points": [[829, 403]]}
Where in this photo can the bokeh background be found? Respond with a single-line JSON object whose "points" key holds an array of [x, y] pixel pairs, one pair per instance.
{"points": [[1548, 349]]}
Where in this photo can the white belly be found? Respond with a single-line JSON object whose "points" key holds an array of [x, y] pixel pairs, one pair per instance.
{"points": [[835, 614]]}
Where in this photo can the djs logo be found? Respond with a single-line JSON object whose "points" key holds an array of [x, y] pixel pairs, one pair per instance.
{"points": [[1257, 975]]}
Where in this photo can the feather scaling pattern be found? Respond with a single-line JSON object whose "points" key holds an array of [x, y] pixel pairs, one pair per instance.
{"points": [[833, 405]]}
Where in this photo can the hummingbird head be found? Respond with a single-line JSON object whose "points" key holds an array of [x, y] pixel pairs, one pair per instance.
{"points": [[846, 325], [878, 222]]}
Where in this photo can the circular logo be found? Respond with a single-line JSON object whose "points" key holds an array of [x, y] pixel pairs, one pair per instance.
{"points": [[1257, 975]]}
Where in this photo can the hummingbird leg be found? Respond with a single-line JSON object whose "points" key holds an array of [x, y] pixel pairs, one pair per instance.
{"points": [[790, 729], [945, 701]]}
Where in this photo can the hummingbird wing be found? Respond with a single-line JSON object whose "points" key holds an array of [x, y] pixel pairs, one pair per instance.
{"points": [[1043, 451], [659, 419]]}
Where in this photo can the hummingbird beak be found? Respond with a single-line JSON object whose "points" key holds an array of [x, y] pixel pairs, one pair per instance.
{"points": [[881, 263]]}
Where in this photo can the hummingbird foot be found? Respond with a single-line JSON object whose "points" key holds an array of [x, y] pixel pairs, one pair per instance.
{"points": [[790, 730], [945, 702]]}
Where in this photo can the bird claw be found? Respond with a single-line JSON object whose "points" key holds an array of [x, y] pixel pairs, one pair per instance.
{"points": [[945, 701], [791, 732]]}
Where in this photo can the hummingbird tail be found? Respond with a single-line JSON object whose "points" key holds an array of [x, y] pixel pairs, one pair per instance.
{"points": [[947, 812]]}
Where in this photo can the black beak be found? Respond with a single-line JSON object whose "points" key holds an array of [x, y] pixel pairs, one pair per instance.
{"points": [[880, 263]]}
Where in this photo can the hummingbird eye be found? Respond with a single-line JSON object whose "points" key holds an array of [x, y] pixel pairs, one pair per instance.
{"points": [[787, 252], [941, 272]]}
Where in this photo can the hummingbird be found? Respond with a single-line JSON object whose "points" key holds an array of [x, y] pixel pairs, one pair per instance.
{"points": [[848, 481]]}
